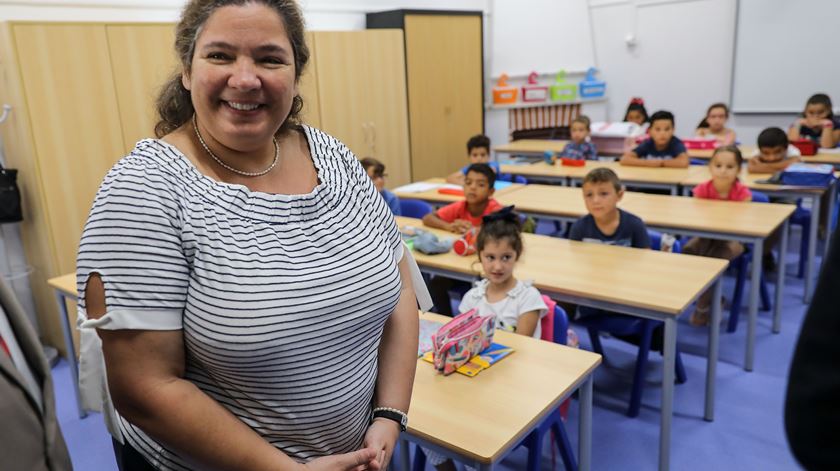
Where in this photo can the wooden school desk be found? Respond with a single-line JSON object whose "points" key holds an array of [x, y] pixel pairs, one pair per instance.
{"points": [[65, 290], [700, 173], [831, 158], [482, 419], [439, 199], [643, 283], [531, 147], [744, 222], [644, 177]]}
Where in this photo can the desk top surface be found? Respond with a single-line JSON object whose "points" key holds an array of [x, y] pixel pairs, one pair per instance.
{"points": [[646, 279], [677, 212], [531, 146], [664, 176], [64, 283], [481, 417], [435, 197], [747, 151]]}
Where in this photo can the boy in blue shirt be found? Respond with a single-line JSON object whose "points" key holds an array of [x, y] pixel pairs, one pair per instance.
{"points": [[662, 149], [579, 148], [478, 151], [376, 171], [606, 223]]}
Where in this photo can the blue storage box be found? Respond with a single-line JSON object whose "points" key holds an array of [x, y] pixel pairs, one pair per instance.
{"points": [[590, 87]]}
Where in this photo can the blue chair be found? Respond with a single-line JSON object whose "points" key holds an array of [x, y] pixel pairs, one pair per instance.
{"points": [[741, 265], [627, 326], [553, 423], [415, 208]]}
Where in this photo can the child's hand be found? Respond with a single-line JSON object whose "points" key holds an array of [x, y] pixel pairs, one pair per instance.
{"points": [[460, 226], [827, 123]]}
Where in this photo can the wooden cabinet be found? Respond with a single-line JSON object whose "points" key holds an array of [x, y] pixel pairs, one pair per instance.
{"points": [[445, 79], [362, 94]]}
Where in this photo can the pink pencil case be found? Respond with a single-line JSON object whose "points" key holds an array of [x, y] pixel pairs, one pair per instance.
{"points": [[460, 339]]}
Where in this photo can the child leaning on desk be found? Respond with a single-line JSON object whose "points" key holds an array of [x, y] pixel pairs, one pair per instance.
{"points": [[724, 166], [460, 217], [662, 149], [516, 305], [817, 123]]}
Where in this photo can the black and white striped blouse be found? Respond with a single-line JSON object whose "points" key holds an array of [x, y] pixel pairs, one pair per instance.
{"points": [[282, 298]]}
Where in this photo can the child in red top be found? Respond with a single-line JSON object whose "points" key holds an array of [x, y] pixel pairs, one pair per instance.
{"points": [[724, 166], [461, 216]]}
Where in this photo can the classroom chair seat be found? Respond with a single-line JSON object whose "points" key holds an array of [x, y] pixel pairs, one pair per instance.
{"points": [[633, 330], [415, 208]]}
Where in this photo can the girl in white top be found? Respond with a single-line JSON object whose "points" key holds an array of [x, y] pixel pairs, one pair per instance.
{"points": [[517, 305]]}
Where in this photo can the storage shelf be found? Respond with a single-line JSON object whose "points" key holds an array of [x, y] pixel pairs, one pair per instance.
{"points": [[521, 105]]}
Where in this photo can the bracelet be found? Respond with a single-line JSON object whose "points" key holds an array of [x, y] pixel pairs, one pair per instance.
{"points": [[396, 415]]}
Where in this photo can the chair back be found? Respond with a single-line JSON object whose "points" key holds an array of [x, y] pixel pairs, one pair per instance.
{"points": [[415, 208]]}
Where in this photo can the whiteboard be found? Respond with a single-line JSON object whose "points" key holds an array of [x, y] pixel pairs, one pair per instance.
{"points": [[541, 35], [785, 51]]}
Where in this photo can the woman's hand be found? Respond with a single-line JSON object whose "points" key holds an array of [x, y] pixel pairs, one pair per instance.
{"points": [[382, 436], [359, 460]]}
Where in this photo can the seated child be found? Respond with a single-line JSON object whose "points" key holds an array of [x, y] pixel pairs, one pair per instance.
{"points": [[662, 149], [579, 148], [460, 217], [606, 223], [725, 165], [636, 112], [376, 171], [714, 125], [774, 152], [817, 123], [478, 151], [516, 305]]}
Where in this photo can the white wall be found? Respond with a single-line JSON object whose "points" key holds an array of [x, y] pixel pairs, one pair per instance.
{"points": [[682, 60]]}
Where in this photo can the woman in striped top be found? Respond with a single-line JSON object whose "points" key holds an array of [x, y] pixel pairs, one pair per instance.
{"points": [[247, 281]]}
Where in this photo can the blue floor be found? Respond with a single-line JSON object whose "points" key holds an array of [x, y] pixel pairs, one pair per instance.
{"points": [[747, 433]]}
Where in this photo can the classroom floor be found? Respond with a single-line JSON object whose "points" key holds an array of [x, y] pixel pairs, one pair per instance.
{"points": [[748, 431]]}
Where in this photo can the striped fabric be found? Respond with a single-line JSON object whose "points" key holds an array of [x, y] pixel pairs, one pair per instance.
{"points": [[282, 298], [539, 117]]}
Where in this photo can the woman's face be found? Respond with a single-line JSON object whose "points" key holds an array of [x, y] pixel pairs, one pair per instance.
{"points": [[242, 78]]}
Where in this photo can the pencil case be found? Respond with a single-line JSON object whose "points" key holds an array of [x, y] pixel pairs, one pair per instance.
{"points": [[805, 146], [567, 162], [700, 143], [460, 339]]}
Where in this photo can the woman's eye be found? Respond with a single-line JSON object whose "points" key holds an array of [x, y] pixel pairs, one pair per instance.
{"points": [[273, 61], [219, 56]]}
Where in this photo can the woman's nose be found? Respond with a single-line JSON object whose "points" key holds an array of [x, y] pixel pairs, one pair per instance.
{"points": [[244, 76]]}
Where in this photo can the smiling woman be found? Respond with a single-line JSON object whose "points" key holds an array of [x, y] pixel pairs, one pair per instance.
{"points": [[249, 285]]}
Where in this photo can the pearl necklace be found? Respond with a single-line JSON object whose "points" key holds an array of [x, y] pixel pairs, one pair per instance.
{"points": [[228, 167]]}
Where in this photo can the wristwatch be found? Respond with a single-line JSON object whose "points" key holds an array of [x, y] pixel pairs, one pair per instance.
{"points": [[396, 415]]}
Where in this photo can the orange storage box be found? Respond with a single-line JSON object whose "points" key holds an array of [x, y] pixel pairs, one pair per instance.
{"points": [[504, 94]]}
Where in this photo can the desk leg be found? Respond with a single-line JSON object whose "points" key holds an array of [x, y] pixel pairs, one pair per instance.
{"points": [[780, 279], [667, 393], [832, 200], [71, 351], [812, 247], [405, 458], [585, 425], [711, 366], [674, 191], [755, 283]]}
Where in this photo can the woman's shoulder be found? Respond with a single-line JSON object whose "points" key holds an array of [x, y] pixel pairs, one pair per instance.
{"points": [[153, 166], [326, 147]]}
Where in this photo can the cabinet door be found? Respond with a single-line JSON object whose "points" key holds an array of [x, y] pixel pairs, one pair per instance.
{"points": [[143, 58], [342, 65], [75, 122], [444, 61], [308, 87], [387, 103]]}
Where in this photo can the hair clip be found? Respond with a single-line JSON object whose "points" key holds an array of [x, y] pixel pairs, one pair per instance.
{"points": [[637, 101]]}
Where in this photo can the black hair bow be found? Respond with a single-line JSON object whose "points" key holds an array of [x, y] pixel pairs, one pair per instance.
{"points": [[505, 214]]}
